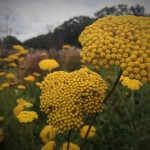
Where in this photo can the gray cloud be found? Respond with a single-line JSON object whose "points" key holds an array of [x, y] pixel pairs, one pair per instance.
{"points": [[33, 16]]}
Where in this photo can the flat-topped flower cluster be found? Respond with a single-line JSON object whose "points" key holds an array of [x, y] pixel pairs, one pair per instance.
{"points": [[66, 97], [119, 41]]}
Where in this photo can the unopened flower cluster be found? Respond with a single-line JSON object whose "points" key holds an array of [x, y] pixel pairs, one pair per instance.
{"points": [[66, 97], [119, 41]]}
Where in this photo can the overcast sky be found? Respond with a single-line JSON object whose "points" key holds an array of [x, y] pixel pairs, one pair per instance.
{"points": [[29, 18]]}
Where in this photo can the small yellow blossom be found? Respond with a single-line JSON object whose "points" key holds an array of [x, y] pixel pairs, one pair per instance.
{"points": [[27, 116], [10, 76], [2, 73], [91, 133], [72, 146], [21, 101], [48, 133], [17, 110], [29, 78], [13, 65], [21, 59], [8, 59], [13, 57], [66, 46], [48, 64], [24, 52], [24, 103], [27, 105], [18, 47], [4, 85], [36, 74], [49, 146], [131, 84], [21, 87], [38, 84], [1, 88]]}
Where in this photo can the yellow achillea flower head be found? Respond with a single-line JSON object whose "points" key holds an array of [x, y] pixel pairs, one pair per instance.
{"points": [[119, 41], [24, 52], [8, 59], [1, 88], [24, 103], [2, 73], [13, 57], [66, 97], [27, 105], [18, 47], [21, 101], [38, 84], [48, 64], [1, 135], [84, 129], [48, 133], [72, 146], [36, 74], [5, 85], [21, 59], [49, 146], [17, 110], [131, 84], [13, 65], [27, 116], [21, 87], [29, 78], [10, 76], [66, 46]]}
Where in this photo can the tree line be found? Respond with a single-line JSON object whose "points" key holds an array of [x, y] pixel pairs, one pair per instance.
{"points": [[69, 31]]}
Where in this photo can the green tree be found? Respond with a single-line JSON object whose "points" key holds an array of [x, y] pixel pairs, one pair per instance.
{"points": [[121, 10], [9, 41]]}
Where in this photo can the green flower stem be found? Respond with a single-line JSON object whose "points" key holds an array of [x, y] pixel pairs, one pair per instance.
{"points": [[105, 100], [31, 134], [133, 97], [69, 137]]}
